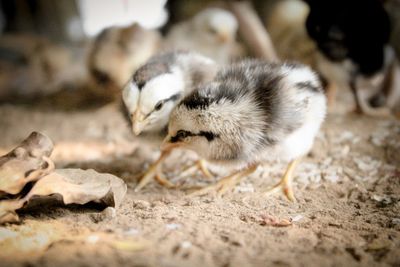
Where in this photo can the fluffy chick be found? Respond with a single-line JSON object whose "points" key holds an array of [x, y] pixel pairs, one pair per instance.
{"points": [[252, 112], [155, 89], [212, 32], [352, 37], [286, 26], [32, 66], [116, 53]]}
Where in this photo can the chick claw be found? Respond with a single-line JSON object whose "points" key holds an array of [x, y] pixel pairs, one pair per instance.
{"points": [[286, 183], [225, 184], [162, 180], [199, 165], [155, 172]]}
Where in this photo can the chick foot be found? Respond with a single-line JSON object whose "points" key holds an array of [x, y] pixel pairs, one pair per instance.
{"points": [[225, 184], [155, 172], [331, 93], [285, 184], [198, 165]]}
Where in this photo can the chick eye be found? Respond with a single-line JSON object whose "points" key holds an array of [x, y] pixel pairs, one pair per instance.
{"points": [[182, 134], [159, 105]]}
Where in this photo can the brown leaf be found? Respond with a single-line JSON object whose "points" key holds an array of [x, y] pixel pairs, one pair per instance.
{"points": [[75, 186], [27, 162], [81, 186], [7, 210]]}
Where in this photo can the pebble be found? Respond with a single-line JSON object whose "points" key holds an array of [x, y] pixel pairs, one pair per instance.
{"points": [[396, 221], [131, 231], [297, 218], [383, 199], [244, 188], [107, 214], [173, 226], [141, 204], [186, 244], [92, 239], [332, 177]]}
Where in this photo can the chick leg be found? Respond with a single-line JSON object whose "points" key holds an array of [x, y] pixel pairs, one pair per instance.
{"points": [[364, 107], [226, 183], [286, 182], [331, 93], [155, 172], [198, 165]]}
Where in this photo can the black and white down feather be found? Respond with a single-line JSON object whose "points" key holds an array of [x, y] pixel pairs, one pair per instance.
{"points": [[251, 112], [157, 86]]}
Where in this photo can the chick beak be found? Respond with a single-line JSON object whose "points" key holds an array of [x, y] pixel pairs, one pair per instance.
{"points": [[168, 145], [223, 37], [138, 122]]}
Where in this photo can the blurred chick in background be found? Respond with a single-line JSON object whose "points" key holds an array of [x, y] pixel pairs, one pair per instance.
{"points": [[116, 53], [33, 66], [154, 90], [286, 25], [352, 37], [212, 32]]}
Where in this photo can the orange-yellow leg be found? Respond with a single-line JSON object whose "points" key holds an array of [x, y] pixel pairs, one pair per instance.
{"points": [[285, 184], [331, 92], [225, 184], [155, 172], [198, 165]]}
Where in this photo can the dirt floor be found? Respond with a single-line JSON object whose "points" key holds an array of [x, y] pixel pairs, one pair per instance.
{"points": [[347, 211]]}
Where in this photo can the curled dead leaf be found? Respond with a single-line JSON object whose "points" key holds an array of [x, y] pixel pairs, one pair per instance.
{"points": [[75, 186], [29, 162], [26, 163], [81, 186], [8, 208]]}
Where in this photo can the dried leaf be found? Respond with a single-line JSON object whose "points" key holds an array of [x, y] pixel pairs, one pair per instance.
{"points": [[8, 208], [75, 186], [27, 162], [81, 186]]}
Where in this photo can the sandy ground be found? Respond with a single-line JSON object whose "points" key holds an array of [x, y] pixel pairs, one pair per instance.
{"points": [[347, 211]]}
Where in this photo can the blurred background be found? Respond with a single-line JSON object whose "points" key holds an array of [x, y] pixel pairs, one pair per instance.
{"points": [[78, 53]]}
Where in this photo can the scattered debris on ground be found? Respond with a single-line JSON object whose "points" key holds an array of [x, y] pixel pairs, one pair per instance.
{"points": [[346, 214]]}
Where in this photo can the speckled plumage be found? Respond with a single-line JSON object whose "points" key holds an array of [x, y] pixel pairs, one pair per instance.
{"points": [[255, 111]]}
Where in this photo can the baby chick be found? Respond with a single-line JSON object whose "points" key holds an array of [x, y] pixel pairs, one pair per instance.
{"points": [[32, 66], [251, 112], [155, 89], [212, 32], [116, 53], [352, 38]]}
